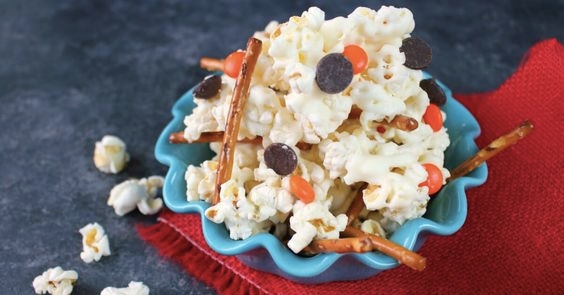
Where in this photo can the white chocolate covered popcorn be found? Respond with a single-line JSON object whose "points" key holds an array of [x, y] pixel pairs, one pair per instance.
{"points": [[314, 221], [110, 154], [55, 281], [133, 288], [137, 193], [236, 211], [344, 139], [95, 243]]}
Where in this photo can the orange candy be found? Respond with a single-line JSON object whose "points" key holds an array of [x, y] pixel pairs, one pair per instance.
{"points": [[232, 63], [434, 179], [301, 189], [357, 56], [433, 117]]}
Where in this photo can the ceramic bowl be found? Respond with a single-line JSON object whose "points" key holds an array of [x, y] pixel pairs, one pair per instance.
{"points": [[446, 212]]}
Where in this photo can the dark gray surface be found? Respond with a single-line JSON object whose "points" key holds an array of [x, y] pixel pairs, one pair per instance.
{"points": [[73, 71]]}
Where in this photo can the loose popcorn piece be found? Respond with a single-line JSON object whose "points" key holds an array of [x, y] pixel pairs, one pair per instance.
{"points": [[55, 281], [133, 288], [95, 243], [137, 193], [110, 155]]}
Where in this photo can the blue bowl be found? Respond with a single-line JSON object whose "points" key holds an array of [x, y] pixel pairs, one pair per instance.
{"points": [[446, 212]]}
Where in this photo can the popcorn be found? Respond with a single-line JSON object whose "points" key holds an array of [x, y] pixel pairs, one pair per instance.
{"points": [[110, 155], [395, 199], [95, 243], [270, 201], [134, 193], [314, 220], [259, 115], [237, 212], [344, 137], [55, 281], [133, 288], [371, 226]]}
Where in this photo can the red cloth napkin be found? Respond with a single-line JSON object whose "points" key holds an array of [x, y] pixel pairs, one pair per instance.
{"points": [[512, 239]]}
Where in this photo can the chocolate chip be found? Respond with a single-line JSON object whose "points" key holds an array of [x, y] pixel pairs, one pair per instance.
{"points": [[281, 158], [418, 53], [208, 88], [434, 91], [334, 73]]}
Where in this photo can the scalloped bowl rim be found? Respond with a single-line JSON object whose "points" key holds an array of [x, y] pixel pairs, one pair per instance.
{"points": [[410, 235]]}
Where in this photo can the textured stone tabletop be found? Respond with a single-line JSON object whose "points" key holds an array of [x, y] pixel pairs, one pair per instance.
{"points": [[73, 71]]}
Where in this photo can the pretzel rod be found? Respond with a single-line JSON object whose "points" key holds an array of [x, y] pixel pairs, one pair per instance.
{"points": [[214, 136], [356, 206], [403, 255], [342, 245], [211, 64], [236, 111], [492, 149]]}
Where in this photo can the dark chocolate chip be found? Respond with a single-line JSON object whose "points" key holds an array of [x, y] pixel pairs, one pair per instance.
{"points": [[281, 158], [434, 91], [418, 53], [208, 88], [334, 73]]}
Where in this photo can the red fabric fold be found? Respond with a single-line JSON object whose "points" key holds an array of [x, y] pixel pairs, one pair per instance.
{"points": [[512, 239]]}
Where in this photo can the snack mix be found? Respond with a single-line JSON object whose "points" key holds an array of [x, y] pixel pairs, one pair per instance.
{"points": [[336, 108]]}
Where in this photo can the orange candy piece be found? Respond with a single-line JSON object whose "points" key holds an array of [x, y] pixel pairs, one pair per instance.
{"points": [[357, 56], [232, 63], [433, 117], [434, 179], [301, 189]]}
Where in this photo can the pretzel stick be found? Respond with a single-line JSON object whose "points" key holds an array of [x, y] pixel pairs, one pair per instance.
{"points": [[214, 136], [496, 146], [401, 122], [342, 245], [236, 111], [356, 206], [403, 255], [211, 64], [355, 112]]}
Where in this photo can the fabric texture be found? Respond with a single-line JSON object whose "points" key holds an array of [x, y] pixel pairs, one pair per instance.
{"points": [[511, 241]]}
